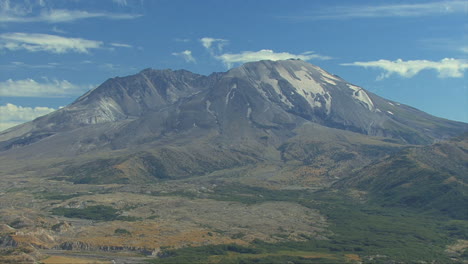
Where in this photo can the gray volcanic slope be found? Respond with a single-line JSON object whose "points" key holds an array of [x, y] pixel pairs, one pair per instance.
{"points": [[257, 103]]}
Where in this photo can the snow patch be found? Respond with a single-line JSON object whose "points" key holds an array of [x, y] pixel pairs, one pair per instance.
{"points": [[390, 112], [108, 110], [274, 83], [307, 87], [327, 80], [360, 95], [325, 74], [231, 93], [249, 113], [208, 105], [391, 104]]}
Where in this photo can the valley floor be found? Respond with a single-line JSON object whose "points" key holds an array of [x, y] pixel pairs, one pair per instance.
{"points": [[214, 220]]}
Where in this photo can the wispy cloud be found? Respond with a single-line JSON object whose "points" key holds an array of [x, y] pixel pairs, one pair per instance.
{"points": [[46, 89], [213, 44], [457, 45], [438, 8], [120, 2], [186, 55], [246, 56], [34, 42], [447, 67], [117, 69], [184, 40], [12, 115], [121, 45], [23, 13], [62, 15], [14, 65]]}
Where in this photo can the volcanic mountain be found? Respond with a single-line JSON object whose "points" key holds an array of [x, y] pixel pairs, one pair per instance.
{"points": [[241, 113], [202, 123], [264, 96]]}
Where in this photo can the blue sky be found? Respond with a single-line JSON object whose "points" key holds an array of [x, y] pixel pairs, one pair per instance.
{"points": [[52, 51]]}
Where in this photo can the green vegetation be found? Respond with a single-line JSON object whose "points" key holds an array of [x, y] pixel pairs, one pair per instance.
{"points": [[99, 171], [106, 171], [372, 230], [403, 182], [129, 218], [257, 253], [355, 228], [97, 212], [202, 254]]}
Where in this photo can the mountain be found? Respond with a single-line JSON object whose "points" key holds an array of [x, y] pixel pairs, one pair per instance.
{"points": [[257, 98], [270, 162], [213, 122]]}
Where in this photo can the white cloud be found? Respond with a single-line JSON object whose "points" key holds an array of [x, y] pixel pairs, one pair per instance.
{"points": [[186, 55], [28, 12], [7, 10], [12, 115], [208, 43], [34, 42], [19, 64], [47, 89], [392, 10], [229, 59], [447, 67], [246, 56], [121, 45], [63, 15]]}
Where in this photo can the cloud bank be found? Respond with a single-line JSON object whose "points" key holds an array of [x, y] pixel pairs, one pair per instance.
{"points": [[448, 67], [46, 89], [34, 42], [12, 115]]}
